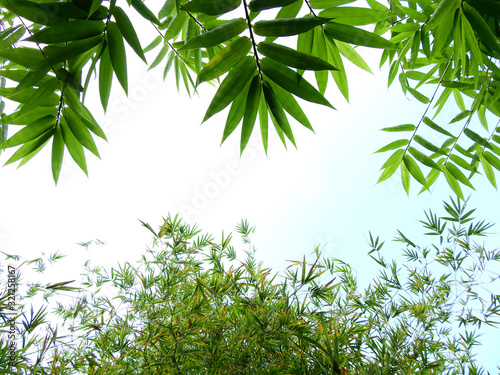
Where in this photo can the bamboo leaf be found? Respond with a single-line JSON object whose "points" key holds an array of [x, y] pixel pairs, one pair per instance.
{"points": [[234, 82], [452, 182], [277, 111], [218, 35], [400, 128], [264, 121], [405, 177], [351, 34], [236, 113], [414, 169], [144, 11], [258, 5], [457, 174], [424, 159], [30, 132], [431, 124], [287, 26], [128, 32], [393, 145], [444, 9], [68, 31], [57, 152], [74, 147], [476, 138], [251, 108], [290, 57], [31, 148], [211, 7], [117, 54], [488, 171], [80, 131], [225, 59], [492, 159], [354, 15], [292, 81], [105, 78]]}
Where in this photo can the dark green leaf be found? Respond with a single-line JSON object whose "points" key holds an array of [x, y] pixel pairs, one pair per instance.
{"points": [[258, 5], [117, 54], [144, 11], [351, 34], [127, 30], [105, 78], [251, 108], [287, 26], [277, 111], [30, 132], [218, 35], [57, 153], [80, 131], [68, 31], [292, 81], [234, 82], [74, 147]]}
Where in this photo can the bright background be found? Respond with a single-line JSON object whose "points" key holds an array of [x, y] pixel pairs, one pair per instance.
{"points": [[160, 160]]}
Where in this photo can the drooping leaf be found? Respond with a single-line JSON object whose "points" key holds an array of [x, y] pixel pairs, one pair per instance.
{"points": [[117, 54], [264, 121], [57, 152], [218, 35], [144, 11], [292, 81], [457, 174], [29, 149], [431, 124], [476, 138], [460, 116], [38, 96], [424, 159], [488, 171], [225, 59], [291, 106], [453, 183], [236, 113], [277, 111], [428, 145], [290, 57], [80, 131], [30, 132], [105, 78], [444, 9], [414, 169], [74, 147], [128, 31], [251, 108], [492, 159], [56, 54], [405, 177], [350, 54], [234, 82]]}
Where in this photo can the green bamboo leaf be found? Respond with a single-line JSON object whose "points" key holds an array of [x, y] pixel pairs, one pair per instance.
{"points": [[38, 96], [457, 174], [339, 76], [320, 50], [11, 36], [354, 15], [324, 4], [23, 96], [32, 12], [30, 132], [414, 169], [290, 57], [492, 159], [161, 55], [74, 147], [264, 121], [144, 11], [481, 27], [460, 116], [393, 145], [128, 32], [225, 59], [461, 162], [153, 44], [432, 176], [405, 177], [444, 9], [66, 78], [389, 171], [395, 158], [428, 145], [291, 106], [105, 78], [31, 148], [400, 128], [258, 5], [431, 124], [83, 113], [452, 181], [68, 31], [350, 54], [15, 119], [234, 82], [476, 138], [236, 113], [57, 152], [292, 81], [117, 54], [277, 111], [424, 159], [27, 57], [488, 171], [211, 7], [420, 97], [80, 131], [218, 35], [356, 36], [176, 25], [56, 54], [251, 108], [287, 26]]}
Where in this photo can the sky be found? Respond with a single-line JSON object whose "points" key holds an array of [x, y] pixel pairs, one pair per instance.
{"points": [[160, 160]]}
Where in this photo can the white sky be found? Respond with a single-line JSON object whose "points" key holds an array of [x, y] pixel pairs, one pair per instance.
{"points": [[159, 160]]}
